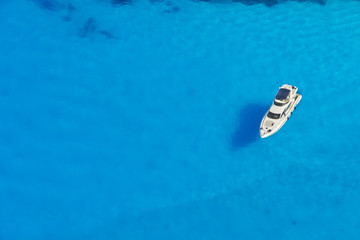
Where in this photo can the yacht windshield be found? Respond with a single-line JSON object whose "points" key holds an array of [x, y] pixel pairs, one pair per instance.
{"points": [[282, 94], [273, 115]]}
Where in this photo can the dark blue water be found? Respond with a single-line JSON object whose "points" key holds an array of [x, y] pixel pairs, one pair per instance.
{"points": [[139, 120]]}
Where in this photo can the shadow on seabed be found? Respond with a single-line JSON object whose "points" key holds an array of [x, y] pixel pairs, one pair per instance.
{"points": [[248, 123]]}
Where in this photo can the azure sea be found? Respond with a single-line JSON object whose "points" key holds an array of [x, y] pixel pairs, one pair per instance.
{"points": [[139, 120]]}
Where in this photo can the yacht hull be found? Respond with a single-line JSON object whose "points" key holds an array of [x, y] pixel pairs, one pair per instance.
{"points": [[270, 126]]}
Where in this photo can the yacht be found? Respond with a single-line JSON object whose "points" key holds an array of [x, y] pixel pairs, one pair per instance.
{"points": [[284, 104]]}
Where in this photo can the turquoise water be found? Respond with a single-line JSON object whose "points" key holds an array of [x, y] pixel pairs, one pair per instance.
{"points": [[140, 121]]}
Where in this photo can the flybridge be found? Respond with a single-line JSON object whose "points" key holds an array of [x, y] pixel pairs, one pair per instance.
{"points": [[282, 94]]}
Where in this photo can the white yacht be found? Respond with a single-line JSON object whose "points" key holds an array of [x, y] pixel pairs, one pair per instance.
{"points": [[284, 104]]}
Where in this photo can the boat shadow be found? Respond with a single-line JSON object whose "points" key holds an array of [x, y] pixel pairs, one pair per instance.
{"points": [[247, 128]]}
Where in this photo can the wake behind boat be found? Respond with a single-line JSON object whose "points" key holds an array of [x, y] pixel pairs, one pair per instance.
{"points": [[284, 104]]}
